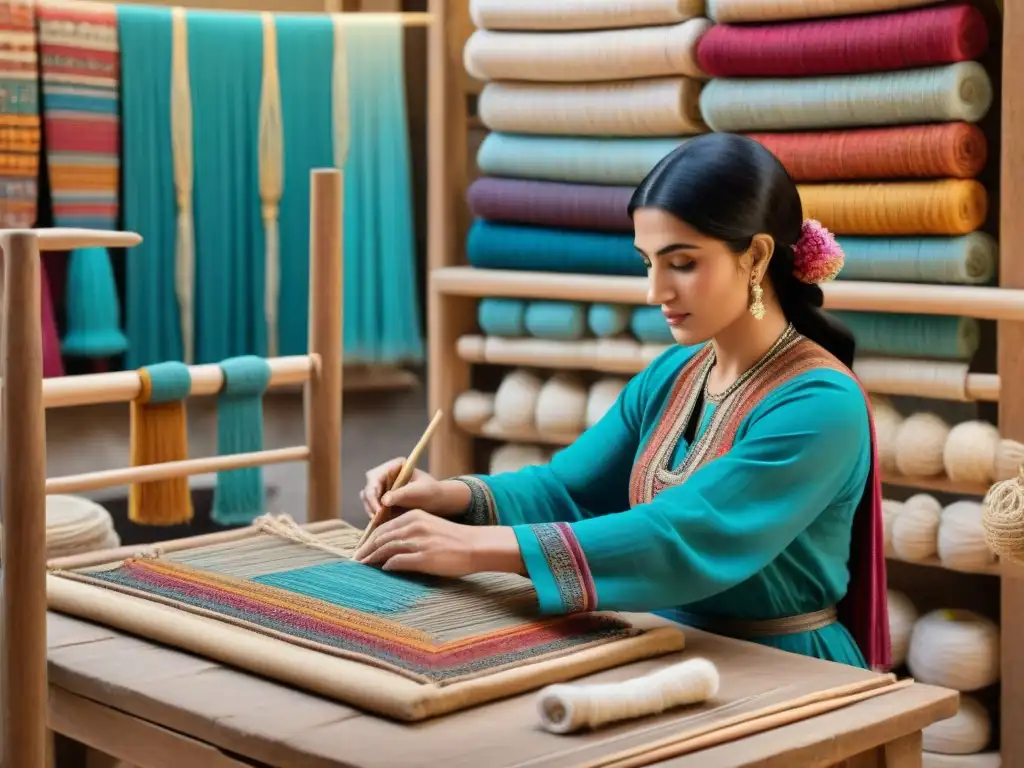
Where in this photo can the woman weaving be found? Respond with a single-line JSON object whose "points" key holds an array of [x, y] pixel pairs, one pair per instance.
{"points": [[733, 485]]}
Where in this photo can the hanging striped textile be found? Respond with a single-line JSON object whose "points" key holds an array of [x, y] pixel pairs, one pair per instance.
{"points": [[80, 63]]}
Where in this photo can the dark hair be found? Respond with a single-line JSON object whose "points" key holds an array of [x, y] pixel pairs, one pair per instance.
{"points": [[731, 188]]}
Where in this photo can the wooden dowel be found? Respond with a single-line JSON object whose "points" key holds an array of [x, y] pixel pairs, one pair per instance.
{"points": [[984, 303], [69, 238], [403, 474], [23, 673], [124, 386], [146, 473], [323, 394], [407, 18]]}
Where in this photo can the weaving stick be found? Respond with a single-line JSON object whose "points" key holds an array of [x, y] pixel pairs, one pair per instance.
{"points": [[751, 723], [403, 474]]}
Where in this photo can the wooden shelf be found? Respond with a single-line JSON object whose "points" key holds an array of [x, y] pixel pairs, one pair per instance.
{"points": [[589, 355], [937, 484], [902, 298]]}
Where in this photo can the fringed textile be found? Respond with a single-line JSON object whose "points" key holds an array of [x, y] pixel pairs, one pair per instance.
{"points": [[271, 149], [151, 311], [80, 58]]}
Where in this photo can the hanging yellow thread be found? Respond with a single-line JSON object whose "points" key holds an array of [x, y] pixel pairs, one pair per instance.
{"points": [[181, 150], [271, 159], [159, 433]]}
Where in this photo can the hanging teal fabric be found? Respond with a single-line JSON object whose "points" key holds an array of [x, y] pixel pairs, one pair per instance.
{"points": [[382, 318], [239, 497], [304, 52], [151, 310], [225, 53]]}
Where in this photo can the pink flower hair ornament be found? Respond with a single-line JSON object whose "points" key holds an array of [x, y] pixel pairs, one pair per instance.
{"points": [[817, 256]]}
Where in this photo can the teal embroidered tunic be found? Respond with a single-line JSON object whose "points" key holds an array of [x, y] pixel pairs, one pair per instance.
{"points": [[762, 531]]}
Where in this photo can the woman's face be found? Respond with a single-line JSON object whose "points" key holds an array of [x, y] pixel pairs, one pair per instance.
{"points": [[701, 286]]}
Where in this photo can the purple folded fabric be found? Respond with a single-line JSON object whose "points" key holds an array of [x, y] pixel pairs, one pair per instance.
{"points": [[551, 204]]}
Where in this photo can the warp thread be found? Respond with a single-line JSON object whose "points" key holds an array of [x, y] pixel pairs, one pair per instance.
{"points": [[239, 497], [159, 433], [565, 708]]}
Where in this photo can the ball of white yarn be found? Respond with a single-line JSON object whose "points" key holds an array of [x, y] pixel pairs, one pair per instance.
{"points": [[902, 615], [915, 531], [920, 442], [924, 500], [890, 511], [961, 543], [561, 405], [602, 396], [473, 409], [75, 524], [956, 649], [887, 423], [510, 457], [970, 452], [515, 402], [967, 732], [1009, 457]]}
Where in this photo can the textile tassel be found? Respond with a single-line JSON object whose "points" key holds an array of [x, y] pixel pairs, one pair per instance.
{"points": [[159, 433], [239, 497], [271, 153], [93, 310]]}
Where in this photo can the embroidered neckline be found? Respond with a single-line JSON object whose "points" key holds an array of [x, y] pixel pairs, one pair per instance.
{"points": [[719, 397]]}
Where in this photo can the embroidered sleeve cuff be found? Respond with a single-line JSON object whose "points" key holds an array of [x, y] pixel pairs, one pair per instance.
{"points": [[557, 567], [482, 508]]}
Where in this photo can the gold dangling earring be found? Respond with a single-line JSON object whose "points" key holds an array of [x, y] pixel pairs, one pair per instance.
{"points": [[756, 305]]}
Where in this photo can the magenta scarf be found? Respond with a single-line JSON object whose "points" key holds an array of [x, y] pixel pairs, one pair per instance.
{"points": [[865, 610]]}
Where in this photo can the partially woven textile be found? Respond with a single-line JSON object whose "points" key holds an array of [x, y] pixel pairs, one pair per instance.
{"points": [[300, 590], [733, 11], [580, 14], [960, 91], [657, 107], [947, 207], [619, 54]]}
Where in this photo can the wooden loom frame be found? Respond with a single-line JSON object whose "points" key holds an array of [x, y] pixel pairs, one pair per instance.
{"points": [[455, 289], [26, 396]]}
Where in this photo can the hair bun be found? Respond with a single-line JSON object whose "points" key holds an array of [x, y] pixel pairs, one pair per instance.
{"points": [[817, 256]]}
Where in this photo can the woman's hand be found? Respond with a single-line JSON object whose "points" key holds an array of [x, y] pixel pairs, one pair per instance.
{"points": [[424, 543], [444, 498]]}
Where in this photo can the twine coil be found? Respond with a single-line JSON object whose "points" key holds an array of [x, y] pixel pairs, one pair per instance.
{"points": [[1003, 518]]}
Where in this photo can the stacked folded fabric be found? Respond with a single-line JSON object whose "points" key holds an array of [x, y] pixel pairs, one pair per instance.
{"points": [[873, 107], [582, 98]]}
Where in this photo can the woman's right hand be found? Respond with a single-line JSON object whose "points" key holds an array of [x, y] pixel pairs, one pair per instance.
{"points": [[422, 491]]}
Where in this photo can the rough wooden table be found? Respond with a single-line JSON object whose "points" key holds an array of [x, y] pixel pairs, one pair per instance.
{"points": [[156, 707]]}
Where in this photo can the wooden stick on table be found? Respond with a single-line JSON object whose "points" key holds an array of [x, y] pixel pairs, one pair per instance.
{"points": [[403, 474]]}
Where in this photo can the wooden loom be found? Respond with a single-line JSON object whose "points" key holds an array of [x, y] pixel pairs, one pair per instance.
{"points": [[455, 289]]}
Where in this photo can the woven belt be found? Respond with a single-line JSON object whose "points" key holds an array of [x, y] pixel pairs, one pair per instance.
{"points": [[750, 628]]}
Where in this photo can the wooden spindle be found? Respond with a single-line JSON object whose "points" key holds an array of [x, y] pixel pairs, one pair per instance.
{"points": [[323, 393]]}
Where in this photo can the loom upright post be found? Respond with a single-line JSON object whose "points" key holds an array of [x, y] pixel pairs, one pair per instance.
{"points": [[24, 688], [323, 393]]}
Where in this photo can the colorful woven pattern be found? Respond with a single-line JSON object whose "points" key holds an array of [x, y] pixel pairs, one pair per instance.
{"points": [[80, 71], [432, 631], [19, 115]]}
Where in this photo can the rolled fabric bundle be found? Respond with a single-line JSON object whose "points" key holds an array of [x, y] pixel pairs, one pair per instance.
{"points": [[947, 207], [888, 41], [593, 56], [502, 317], [579, 14], [586, 160], [551, 204], [955, 150], [936, 337], [667, 106], [735, 11], [965, 260], [961, 91], [511, 246], [556, 320], [649, 326]]}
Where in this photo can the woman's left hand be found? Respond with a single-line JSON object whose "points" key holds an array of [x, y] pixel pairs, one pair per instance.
{"points": [[424, 543]]}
